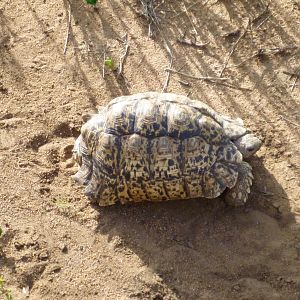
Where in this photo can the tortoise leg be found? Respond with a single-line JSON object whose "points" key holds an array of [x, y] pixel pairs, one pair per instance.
{"points": [[82, 157], [238, 195]]}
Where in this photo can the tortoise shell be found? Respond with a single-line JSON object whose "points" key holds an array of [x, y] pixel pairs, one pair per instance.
{"points": [[155, 147]]}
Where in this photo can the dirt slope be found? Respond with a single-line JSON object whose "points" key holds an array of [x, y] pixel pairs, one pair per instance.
{"points": [[55, 244]]}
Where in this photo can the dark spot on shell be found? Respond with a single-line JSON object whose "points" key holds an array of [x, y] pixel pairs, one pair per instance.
{"points": [[139, 180], [121, 188], [156, 126], [127, 176], [171, 162]]}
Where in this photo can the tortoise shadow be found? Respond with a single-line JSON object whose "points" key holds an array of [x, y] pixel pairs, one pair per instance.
{"points": [[189, 244]]}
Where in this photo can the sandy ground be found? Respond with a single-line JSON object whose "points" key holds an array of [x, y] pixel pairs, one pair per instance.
{"points": [[55, 244]]}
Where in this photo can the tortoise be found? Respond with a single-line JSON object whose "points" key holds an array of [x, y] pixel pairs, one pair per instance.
{"points": [[162, 146]]}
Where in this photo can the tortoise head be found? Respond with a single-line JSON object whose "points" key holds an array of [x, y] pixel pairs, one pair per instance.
{"points": [[248, 144]]}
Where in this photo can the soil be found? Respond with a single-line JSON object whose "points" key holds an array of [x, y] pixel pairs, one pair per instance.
{"points": [[55, 244]]}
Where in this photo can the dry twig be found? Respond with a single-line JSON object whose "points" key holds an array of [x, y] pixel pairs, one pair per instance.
{"points": [[104, 59], [296, 75], [208, 78], [169, 67], [233, 48], [191, 21], [185, 83], [291, 73], [294, 84], [123, 57], [68, 28], [264, 16], [232, 86], [189, 42], [295, 124]]}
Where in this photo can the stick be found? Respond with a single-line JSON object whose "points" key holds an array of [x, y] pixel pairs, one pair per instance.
{"points": [[233, 48], [196, 77], [235, 87], [170, 66], [291, 73], [68, 28], [140, 62], [295, 124], [265, 11], [104, 58], [185, 83], [262, 22], [195, 30], [294, 84], [168, 76], [123, 57]]}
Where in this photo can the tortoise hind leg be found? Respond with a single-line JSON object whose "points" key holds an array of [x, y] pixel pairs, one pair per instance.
{"points": [[238, 195]]}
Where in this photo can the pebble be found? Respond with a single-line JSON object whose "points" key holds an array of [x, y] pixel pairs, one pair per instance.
{"points": [[63, 247], [44, 255]]}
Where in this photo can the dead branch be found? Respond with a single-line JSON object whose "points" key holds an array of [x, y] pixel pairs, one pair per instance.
{"points": [[235, 87], [68, 28], [191, 21], [295, 81], [262, 16], [292, 74], [169, 67], [283, 50], [208, 78], [233, 48], [141, 61], [262, 22], [286, 119], [185, 83], [104, 59], [123, 57], [190, 42]]}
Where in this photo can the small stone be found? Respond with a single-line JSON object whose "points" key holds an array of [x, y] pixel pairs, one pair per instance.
{"points": [[44, 255], [55, 269], [19, 246], [25, 291], [63, 247]]}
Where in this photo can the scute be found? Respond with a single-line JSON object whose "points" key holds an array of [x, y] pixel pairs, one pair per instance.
{"points": [[199, 156], [182, 121], [121, 118], [105, 154]]}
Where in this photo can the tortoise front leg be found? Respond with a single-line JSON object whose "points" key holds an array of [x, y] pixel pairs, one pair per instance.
{"points": [[238, 195]]}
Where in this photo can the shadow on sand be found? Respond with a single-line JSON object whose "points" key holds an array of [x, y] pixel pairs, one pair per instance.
{"points": [[202, 246]]}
